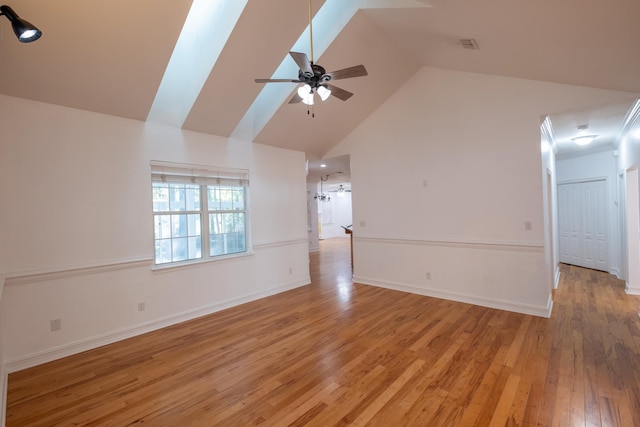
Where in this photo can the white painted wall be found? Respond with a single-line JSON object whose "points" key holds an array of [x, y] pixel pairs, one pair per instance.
{"points": [[463, 173], [77, 234], [312, 218], [628, 162], [597, 165], [340, 207]]}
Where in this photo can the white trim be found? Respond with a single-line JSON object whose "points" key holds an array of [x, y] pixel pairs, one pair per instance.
{"points": [[546, 128], [510, 246], [168, 267], [582, 180], [631, 290], [465, 298], [280, 243], [174, 266], [30, 276], [55, 353], [557, 278], [633, 115], [615, 272], [22, 277]]}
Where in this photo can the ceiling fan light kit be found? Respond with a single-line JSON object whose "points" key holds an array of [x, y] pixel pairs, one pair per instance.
{"points": [[321, 195], [314, 77]]}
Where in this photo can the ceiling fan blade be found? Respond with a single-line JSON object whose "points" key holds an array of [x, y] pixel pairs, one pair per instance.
{"points": [[303, 62], [347, 73], [296, 98], [277, 81], [339, 93]]}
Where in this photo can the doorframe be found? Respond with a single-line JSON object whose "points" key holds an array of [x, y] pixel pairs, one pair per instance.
{"points": [[632, 210], [622, 224], [554, 271]]}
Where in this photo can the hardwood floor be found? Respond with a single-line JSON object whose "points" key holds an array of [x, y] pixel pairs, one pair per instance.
{"points": [[338, 353]]}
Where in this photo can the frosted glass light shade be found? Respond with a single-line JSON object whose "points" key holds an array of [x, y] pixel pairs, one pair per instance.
{"points": [[324, 93], [306, 94], [584, 140]]}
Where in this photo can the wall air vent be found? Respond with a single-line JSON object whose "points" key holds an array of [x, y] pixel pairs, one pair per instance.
{"points": [[471, 44]]}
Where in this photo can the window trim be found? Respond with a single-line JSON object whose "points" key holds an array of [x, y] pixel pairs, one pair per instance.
{"points": [[204, 176]]}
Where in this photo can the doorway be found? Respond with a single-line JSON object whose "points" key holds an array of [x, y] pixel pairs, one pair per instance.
{"points": [[583, 224], [329, 206]]}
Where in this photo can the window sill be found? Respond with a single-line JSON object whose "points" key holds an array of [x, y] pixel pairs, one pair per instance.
{"points": [[163, 268]]}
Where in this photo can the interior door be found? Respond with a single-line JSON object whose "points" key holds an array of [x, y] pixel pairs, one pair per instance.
{"points": [[583, 225], [569, 224]]}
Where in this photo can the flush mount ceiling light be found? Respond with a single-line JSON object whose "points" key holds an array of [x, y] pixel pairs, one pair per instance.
{"points": [[25, 31], [584, 139]]}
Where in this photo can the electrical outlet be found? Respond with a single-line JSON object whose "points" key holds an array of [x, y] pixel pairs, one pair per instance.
{"points": [[527, 225], [425, 183], [56, 325], [363, 223], [142, 306], [290, 270], [428, 276]]}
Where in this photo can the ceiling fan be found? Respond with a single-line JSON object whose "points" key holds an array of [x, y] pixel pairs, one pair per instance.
{"points": [[315, 78], [340, 189]]}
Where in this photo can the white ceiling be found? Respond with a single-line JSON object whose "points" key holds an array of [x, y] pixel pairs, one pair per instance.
{"points": [[110, 57], [605, 122]]}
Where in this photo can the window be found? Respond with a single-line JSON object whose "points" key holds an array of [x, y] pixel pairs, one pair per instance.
{"points": [[198, 213]]}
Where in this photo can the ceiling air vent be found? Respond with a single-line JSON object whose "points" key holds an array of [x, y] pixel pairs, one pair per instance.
{"points": [[469, 44]]}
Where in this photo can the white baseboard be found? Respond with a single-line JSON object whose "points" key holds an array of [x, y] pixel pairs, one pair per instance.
{"points": [[469, 299], [632, 290], [616, 272], [65, 350]]}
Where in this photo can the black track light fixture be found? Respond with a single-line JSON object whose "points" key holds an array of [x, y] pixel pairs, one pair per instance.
{"points": [[25, 31]]}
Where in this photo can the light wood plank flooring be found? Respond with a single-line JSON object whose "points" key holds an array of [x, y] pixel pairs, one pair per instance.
{"points": [[338, 353]]}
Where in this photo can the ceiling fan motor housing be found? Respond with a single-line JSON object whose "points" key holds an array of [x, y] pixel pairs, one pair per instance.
{"points": [[319, 76]]}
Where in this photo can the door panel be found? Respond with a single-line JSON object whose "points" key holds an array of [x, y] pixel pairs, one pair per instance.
{"points": [[588, 222], [582, 218]]}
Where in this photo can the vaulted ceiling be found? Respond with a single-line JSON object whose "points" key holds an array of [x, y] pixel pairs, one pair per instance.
{"points": [[129, 59]]}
